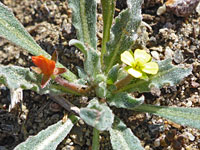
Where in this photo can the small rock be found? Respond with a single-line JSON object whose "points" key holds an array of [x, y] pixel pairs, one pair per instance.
{"points": [[176, 145], [181, 8], [55, 117], [31, 132], [175, 125], [178, 56], [195, 84], [147, 147], [155, 55], [68, 141], [154, 129], [157, 142], [168, 53], [189, 104], [198, 9], [54, 107], [190, 136], [170, 135], [158, 49], [77, 136]]}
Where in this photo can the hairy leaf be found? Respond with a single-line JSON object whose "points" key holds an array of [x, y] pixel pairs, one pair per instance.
{"points": [[122, 137], [92, 64], [12, 30], [80, 45], [97, 115], [108, 7], [113, 74], [101, 90], [123, 33], [168, 74], [84, 20], [15, 77], [183, 116], [49, 138], [125, 100]]}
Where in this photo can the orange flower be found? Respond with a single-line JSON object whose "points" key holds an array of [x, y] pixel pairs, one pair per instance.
{"points": [[47, 67]]}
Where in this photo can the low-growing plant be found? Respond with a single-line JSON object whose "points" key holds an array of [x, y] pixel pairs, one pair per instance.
{"points": [[110, 75]]}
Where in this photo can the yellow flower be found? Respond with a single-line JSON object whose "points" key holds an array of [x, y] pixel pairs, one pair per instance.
{"points": [[139, 63]]}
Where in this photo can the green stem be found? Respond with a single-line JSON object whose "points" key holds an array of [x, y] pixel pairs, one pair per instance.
{"points": [[123, 82], [95, 139]]}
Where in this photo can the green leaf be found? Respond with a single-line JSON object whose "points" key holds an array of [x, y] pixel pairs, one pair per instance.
{"points": [[183, 116], [168, 74], [82, 74], [84, 20], [123, 33], [49, 138], [15, 77], [80, 45], [113, 74], [125, 100], [122, 137], [98, 115], [108, 7], [12, 30], [101, 90], [92, 65]]}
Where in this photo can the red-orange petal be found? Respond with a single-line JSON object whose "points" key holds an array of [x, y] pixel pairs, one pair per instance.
{"points": [[46, 65], [45, 81], [36, 70], [58, 71], [54, 56]]}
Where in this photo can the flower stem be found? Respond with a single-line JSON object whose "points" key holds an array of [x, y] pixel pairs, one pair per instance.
{"points": [[123, 82], [82, 89], [95, 139], [65, 104]]}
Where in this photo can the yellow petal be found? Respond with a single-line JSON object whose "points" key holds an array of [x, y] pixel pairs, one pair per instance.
{"points": [[127, 58], [150, 68], [134, 73], [142, 56]]}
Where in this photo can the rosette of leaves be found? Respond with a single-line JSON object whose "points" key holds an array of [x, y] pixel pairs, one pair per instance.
{"points": [[102, 73]]}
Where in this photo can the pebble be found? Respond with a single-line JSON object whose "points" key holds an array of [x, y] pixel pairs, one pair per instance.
{"points": [[175, 125], [189, 104], [31, 132], [147, 147], [178, 56], [155, 55], [189, 135], [176, 145], [68, 141], [181, 8], [198, 9], [157, 142], [168, 52], [54, 107], [55, 117], [195, 84]]}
